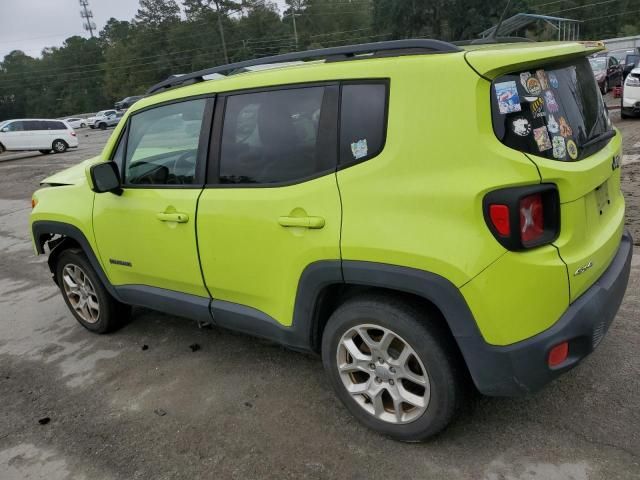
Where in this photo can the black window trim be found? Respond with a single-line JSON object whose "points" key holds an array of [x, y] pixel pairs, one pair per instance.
{"points": [[203, 143], [334, 102]]}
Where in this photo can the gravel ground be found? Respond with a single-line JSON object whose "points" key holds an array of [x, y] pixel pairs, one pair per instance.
{"points": [[242, 408]]}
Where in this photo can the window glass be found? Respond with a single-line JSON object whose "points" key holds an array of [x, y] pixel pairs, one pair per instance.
{"points": [[272, 137], [362, 121], [52, 125], [31, 125], [16, 126], [118, 156], [553, 111], [162, 146]]}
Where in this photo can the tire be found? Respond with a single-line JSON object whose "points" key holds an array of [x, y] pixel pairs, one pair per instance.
{"points": [[59, 146], [624, 115], [430, 351], [73, 267], [605, 86], [83, 125], [103, 126], [45, 152], [2, 149]]}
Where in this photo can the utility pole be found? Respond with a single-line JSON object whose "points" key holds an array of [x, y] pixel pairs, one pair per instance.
{"points": [[295, 30], [87, 15], [295, 5], [224, 45]]}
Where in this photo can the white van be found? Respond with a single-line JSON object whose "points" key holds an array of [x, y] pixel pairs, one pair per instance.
{"points": [[631, 94], [37, 134]]}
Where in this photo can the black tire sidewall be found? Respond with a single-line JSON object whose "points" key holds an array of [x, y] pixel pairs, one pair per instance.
{"points": [[410, 324], [53, 146], [105, 322]]}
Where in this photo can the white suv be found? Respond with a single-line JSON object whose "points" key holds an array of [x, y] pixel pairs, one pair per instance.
{"points": [[104, 119], [37, 134]]}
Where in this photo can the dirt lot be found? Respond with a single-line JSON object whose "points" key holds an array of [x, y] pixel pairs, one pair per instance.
{"points": [[242, 408]]}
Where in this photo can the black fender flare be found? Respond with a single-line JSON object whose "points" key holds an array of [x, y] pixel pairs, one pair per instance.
{"points": [[42, 230]]}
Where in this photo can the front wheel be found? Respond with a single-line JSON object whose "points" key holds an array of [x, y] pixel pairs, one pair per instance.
{"points": [[605, 86], [59, 146], [392, 366], [103, 126], [85, 295], [83, 125]]}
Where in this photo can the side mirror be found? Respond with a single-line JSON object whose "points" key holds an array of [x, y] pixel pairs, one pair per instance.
{"points": [[105, 178], [4, 130]]}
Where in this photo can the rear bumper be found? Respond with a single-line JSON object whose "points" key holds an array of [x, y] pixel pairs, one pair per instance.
{"points": [[522, 367]]}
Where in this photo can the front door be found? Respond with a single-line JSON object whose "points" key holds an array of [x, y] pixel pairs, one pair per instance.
{"points": [[146, 236], [271, 207]]}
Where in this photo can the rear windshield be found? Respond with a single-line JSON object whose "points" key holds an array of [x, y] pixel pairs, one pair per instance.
{"points": [[551, 111]]}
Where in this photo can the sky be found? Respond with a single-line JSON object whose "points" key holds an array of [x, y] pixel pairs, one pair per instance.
{"points": [[31, 25]]}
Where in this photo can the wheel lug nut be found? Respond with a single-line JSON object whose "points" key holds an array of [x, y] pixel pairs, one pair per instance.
{"points": [[378, 380], [380, 360], [392, 370], [372, 366], [391, 382]]}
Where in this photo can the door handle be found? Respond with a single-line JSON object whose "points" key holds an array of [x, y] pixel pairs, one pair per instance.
{"points": [[304, 222], [172, 217]]}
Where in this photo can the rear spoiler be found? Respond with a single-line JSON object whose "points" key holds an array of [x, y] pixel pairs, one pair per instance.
{"points": [[490, 61]]}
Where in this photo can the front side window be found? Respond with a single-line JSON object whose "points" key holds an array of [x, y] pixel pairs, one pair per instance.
{"points": [[162, 144], [362, 121], [553, 111], [273, 137], [15, 126]]}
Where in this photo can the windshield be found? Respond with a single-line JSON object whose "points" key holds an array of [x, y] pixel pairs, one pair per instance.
{"points": [[598, 64], [551, 111]]}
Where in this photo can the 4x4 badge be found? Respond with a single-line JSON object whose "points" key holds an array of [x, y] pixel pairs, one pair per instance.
{"points": [[583, 269], [616, 162]]}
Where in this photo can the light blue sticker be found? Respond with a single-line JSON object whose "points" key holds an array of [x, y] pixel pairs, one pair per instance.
{"points": [[359, 149]]}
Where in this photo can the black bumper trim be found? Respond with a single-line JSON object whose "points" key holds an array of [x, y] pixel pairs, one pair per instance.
{"points": [[522, 367]]}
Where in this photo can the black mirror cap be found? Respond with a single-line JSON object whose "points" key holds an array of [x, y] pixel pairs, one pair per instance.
{"points": [[106, 178]]}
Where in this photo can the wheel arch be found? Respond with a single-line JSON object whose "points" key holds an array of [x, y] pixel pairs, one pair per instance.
{"points": [[71, 237]]}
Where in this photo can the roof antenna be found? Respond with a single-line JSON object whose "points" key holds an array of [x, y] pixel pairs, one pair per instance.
{"points": [[493, 35]]}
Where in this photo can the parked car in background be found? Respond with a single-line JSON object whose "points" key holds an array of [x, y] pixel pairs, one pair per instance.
{"points": [[631, 61], [127, 102], [621, 54], [76, 122], [631, 94], [101, 116], [607, 70], [43, 135]]}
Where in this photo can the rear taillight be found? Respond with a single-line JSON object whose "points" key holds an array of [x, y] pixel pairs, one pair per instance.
{"points": [[523, 217], [73, 134]]}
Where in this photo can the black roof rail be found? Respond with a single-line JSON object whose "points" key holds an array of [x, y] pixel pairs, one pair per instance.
{"points": [[389, 48]]}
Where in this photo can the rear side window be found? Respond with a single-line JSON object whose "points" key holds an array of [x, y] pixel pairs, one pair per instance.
{"points": [[551, 111], [274, 137], [162, 144], [52, 125], [31, 125], [363, 112]]}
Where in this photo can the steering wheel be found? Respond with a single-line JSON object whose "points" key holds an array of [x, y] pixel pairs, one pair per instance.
{"points": [[182, 159]]}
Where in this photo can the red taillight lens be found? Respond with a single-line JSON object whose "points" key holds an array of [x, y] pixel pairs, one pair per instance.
{"points": [[531, 218], [73, 134], [558, 354], [499, 215]]}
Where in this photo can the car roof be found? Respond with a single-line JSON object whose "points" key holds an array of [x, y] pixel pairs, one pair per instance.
{"points": [[636, 70], [37, 119]]}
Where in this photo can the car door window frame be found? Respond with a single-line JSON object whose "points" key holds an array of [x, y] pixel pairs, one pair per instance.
{"points": [[328, 123], [203, 144]]}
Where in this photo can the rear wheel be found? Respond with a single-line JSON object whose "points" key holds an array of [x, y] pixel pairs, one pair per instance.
{"points": [[59, 146], [83, 125], [103, 126], [605, 86], [2, 149], [392, 367], [85, 295], [624, 114]]}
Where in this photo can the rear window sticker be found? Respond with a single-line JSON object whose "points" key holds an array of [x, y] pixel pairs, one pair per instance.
{"points": [[542, 138], [521, 126], [572, 149], [542, 78], [359, 149], [552, 125], [553, 80], [559, 147], [537, 108], [550, 100], [524, 76], [565, 129], [508, 99]]}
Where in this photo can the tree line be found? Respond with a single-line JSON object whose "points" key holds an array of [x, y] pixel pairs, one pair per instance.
{"points": [[167, 38]]}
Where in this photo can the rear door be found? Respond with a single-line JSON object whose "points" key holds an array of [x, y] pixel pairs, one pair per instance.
{"points": [[557, 117], [271, 206]]}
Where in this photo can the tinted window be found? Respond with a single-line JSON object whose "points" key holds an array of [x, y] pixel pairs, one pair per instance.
{"points": [[162, 145], [275, 136], [51, 125], [31, 125], [362, 121], [550, 111]]}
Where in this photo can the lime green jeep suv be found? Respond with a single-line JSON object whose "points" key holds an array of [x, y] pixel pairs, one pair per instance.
{"points": [[416, 212]]}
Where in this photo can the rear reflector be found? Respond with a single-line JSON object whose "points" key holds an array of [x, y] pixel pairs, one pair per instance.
{"points": [[531, 218], [499, 215], [558, 354]]}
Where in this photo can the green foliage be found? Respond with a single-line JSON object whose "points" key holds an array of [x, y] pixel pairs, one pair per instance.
{"points": [[85, 75]]}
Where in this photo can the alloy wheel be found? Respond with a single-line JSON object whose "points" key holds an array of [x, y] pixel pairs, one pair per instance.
{"points": [[81, 293], [383, 374]]}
